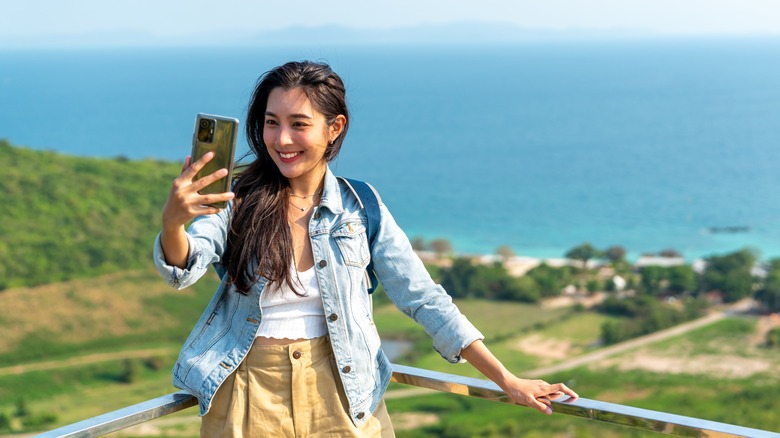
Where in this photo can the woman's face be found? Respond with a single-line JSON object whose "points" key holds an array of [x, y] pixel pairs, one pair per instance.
{"points": [[296, 135]]}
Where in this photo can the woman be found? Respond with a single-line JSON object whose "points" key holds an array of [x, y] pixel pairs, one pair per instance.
{"points": [[287, 345]]}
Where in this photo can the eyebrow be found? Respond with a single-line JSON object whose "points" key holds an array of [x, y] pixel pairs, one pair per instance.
{"points": [[293, 116]]}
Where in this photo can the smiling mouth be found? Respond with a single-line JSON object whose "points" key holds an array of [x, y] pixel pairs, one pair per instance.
{"points": [[289, 155]]}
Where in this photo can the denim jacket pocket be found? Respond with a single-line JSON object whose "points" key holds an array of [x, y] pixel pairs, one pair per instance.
{"points": [[350, 236]]}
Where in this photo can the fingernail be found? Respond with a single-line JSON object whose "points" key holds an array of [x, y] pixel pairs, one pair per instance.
{"points": [[548, 411]]}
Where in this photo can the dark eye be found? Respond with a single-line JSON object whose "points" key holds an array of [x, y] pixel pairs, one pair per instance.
{"points": [[270, 122]]}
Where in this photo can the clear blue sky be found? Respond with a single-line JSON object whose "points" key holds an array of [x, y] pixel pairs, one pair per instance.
{"points": [[48, 20]]}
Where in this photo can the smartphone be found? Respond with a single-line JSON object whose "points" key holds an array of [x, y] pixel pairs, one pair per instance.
{"points": [[215, 134]]}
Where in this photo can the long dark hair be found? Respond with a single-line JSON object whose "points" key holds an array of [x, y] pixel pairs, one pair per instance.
{"points": [[259, 241]]}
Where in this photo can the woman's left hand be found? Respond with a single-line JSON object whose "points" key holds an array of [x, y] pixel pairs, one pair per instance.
{"points": [[536, 394]]}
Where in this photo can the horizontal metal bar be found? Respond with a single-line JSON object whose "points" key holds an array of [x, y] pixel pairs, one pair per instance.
{"points": [[644, 419], [126, 417], [592, 409]]}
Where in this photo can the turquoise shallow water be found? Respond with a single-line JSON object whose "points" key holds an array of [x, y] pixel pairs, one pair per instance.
{"points": [[541, 147]]}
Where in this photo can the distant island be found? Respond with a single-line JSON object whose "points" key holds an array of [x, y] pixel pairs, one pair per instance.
{"points": [[729, 230]]}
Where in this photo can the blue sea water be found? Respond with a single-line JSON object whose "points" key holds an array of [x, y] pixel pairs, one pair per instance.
{"points": [[543, 146]]}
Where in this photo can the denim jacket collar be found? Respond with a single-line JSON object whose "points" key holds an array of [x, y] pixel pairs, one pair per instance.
{"points": [[331, 193]]}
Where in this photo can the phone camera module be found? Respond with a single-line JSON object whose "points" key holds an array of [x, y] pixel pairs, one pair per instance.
{"points": [[206, 130]]}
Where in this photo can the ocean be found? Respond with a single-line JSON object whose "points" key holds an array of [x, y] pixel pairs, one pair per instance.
{"points": [[647, 144]]}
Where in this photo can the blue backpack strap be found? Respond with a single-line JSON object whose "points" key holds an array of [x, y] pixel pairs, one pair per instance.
{"points": [[370, 202]]}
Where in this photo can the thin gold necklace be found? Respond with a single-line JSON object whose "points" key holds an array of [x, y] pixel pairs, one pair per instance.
{"points": [[306, 196], [302, 208]]}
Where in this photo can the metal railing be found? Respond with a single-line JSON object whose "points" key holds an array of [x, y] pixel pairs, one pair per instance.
{"points": [[613, 413]]}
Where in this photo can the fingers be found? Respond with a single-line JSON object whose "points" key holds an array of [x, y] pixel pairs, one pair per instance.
{"points": [[562, 389], [185, 201], [190, 171], [540, 394], [208, 179], [542, 405], [217, 197]]}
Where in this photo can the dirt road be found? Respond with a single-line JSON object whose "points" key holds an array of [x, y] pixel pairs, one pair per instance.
{"points": [[603, 353], [84, 360]]}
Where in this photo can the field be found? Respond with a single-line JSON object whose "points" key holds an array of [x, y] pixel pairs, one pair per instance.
{"points": [[77, 349]]}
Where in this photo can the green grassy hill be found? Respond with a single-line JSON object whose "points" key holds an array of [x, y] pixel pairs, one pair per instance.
{"points": [[74, 217]]}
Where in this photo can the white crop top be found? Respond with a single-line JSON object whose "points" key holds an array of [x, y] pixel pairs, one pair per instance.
{"points": [[286, 315]]}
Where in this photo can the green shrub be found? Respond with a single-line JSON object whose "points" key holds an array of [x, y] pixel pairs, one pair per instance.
{"points": [[773, 338]]}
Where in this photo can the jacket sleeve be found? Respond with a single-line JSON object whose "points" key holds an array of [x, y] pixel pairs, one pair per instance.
{"points": [[410, 287], [207, 237]]}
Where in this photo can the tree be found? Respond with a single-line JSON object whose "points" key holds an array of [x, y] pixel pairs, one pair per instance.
{"points": [[730, 274], [505, 252], [456, 280], [652, 278], [769, 295], [523, 289], [21, 408], [615, 253], [5, 422], [418, 243], [551, 280], [129, 373], [465, 279], [670, 253], [773, 338], [441, 246], [583, 253], [682, 278]]}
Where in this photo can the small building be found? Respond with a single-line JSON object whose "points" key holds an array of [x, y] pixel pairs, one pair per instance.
{"points": [[664, 262]]}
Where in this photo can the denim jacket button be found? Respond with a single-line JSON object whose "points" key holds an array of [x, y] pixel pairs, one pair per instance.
{"points": [[361, 415], [333, 317], [323, 263], [317, 214], [346, 369]]}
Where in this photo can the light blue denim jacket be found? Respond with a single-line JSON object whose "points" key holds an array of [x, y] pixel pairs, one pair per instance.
{"points": [[225, 332]]}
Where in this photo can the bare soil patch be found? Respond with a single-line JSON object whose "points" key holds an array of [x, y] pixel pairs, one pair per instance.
{"points": [[764, 325], [725, 366], [546, 348], [413, 420]]}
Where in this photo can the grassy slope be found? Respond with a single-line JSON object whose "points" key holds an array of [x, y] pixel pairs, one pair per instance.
{"points": [[75, 217]]}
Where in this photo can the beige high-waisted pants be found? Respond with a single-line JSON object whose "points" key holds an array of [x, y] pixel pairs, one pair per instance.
{"points": [[288, 391]]}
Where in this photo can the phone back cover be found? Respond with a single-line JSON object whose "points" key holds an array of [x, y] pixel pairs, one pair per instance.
{"points": [[223, 146]]}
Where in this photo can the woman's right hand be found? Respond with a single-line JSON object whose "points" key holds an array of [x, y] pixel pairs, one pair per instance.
{"points": [[184, 202]]}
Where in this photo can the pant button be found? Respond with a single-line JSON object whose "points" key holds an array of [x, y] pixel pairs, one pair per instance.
{"points": [[296, 354]]}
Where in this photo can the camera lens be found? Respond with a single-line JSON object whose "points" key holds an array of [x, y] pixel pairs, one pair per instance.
{"points": [[204, 124]]}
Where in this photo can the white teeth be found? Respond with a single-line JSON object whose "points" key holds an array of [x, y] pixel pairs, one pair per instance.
{"points": [[290, 155]]}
